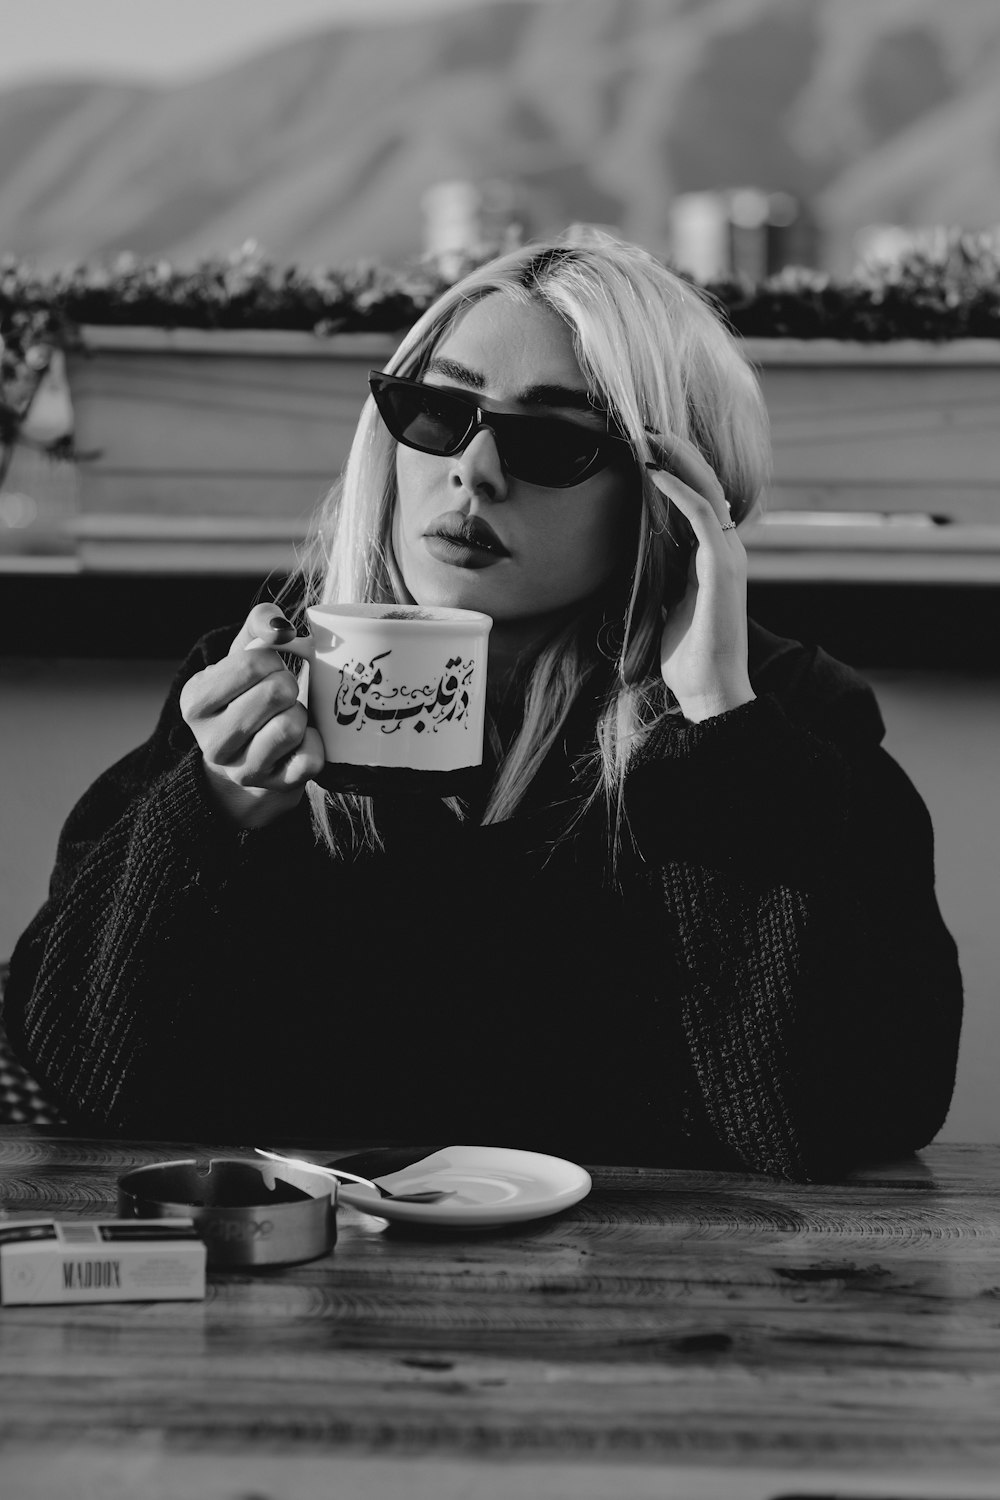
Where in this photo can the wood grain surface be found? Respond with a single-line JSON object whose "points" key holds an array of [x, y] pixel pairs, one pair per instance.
{"points": [[675, 1334]]}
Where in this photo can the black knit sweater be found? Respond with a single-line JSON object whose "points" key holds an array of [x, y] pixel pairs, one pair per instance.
{"points": [[768, 984]]}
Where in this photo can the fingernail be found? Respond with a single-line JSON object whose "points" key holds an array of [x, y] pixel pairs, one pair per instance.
{"points": [[278, 622]]}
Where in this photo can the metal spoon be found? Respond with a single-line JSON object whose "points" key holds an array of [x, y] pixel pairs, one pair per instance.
{"points": [[310, 1166]]}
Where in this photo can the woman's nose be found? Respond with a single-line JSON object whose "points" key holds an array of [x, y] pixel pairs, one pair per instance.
{"points": [[478, 468]]}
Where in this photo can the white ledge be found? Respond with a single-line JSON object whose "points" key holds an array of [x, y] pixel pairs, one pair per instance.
{"points": [[282, 343], [125, 338], [853, 352]]}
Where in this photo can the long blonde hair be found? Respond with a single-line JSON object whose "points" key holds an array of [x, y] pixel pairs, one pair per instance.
{"points": [[658, 359]]}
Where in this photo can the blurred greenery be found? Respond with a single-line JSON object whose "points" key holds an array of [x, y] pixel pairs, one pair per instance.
{"points": [[946, 287], [240, 291]]}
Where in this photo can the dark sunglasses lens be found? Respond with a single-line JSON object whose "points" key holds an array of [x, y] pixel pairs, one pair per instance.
{"points": [[419, 416], [533, 449], [548, 453]]}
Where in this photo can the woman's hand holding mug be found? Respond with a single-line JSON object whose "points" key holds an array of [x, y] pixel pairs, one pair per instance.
{"points": [[704, 647], [250, 723]]}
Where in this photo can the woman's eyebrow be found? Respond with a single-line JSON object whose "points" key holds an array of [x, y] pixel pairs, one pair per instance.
{"points": [[534, 395], [452, 370]]}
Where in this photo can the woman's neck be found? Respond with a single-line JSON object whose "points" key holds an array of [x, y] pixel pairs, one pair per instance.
{"points": [[514, 645]]}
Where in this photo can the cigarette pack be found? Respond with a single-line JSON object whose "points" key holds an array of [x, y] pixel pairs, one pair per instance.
{"points": [[101, 1260]]}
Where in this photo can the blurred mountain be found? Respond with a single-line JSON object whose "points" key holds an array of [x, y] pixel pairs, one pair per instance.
{"points": [[601, 110]]}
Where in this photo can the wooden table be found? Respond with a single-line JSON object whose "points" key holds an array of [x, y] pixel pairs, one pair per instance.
{"points": [[683, 1335]]}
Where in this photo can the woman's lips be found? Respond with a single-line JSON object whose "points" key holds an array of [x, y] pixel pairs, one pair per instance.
{"points": [[464, 541], [460, 553]]}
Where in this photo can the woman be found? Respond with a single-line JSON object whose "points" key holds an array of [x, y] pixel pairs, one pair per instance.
{"points": [[689, 919]]}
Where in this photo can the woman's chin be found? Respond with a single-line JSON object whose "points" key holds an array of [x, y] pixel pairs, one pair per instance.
{"points": [[458, 593]]}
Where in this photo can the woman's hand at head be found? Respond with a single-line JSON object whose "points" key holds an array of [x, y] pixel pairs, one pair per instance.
{"points": [[251, 726], [703, 649]]}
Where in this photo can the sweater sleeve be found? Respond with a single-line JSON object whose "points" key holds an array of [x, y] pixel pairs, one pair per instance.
{"points": [[129, 973], [792, 861]]}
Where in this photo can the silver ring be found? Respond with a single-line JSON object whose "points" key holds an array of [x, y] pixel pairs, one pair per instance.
{"points": [[729, 526]]}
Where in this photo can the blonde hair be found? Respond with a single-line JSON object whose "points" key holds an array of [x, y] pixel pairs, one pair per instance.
{"points": [[658, 359]]}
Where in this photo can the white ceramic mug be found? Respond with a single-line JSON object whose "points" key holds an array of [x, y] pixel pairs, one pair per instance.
{"points": [[397, 692]]}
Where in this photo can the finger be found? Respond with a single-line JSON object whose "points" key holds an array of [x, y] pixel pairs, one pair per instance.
{"points": [[304, 763], [278, 634], [211, 691], [265, 622], [285, 754], [698, 511], [227, 736], [683, 459], [222, 683]]}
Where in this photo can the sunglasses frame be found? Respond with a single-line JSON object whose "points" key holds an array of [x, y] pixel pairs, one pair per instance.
{"points": [[608, 447]]}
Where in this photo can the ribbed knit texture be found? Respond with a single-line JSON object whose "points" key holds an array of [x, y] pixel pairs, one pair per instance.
{"points": [[770, 985]]}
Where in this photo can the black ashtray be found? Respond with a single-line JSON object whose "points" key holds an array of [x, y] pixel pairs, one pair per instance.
{"points": [[248, 1214]]}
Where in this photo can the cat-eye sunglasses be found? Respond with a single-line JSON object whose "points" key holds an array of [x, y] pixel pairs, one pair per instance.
{"points": [[550, 451]]}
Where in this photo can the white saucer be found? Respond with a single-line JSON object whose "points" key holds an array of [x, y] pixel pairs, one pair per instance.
{"points": [[491, 1185]]}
